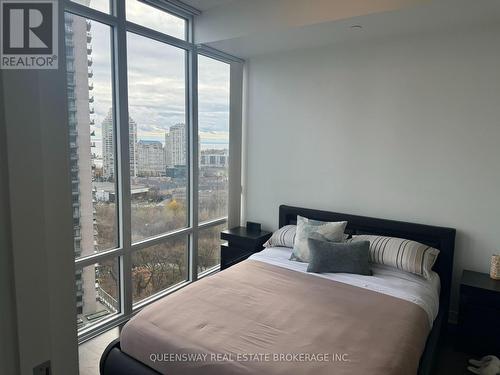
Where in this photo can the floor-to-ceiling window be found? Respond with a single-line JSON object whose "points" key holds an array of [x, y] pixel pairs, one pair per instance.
{"points": [[149, 151], [213, 136]]}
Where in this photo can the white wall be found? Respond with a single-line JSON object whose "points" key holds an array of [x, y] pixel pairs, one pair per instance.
{"points": [[405, 128], [9, 354], [36, 235]]}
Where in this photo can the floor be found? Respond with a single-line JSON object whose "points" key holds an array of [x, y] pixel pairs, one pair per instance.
{"points": [[450, 361], [90, 352]]}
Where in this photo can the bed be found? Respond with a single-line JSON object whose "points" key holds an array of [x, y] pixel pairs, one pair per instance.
{"points": [[267, 315]]}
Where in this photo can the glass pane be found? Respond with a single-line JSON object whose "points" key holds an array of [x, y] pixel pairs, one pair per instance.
{"points": [[213, 118], [101, 5], [156, 19], [97, 292], [159, 267], [157, 103], [209, 247], [90, 106]]}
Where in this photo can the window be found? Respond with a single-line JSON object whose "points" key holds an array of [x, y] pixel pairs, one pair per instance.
{"points": [[156, 18], [132, 95], [90, 103], [213, 120], [101, 5], [97, 292], [159, 267], [209, 243], [157, 102]]}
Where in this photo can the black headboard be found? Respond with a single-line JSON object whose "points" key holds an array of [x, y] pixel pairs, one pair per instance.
{"points": [[439, 237]]}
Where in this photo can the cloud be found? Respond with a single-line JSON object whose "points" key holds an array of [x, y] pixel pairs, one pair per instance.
{"points": [[156, 79]]}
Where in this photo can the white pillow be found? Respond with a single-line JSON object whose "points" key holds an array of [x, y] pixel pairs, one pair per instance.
{"points": [[331, 231], [406, 255], [283, 237]]}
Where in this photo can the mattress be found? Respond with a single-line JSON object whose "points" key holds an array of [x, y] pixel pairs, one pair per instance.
{"points": [[262, 316], [385, 279]]}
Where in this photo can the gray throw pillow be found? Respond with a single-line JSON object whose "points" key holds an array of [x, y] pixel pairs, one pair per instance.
{"points": [[338, 257]]}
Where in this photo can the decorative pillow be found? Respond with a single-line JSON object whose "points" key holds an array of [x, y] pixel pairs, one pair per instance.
{"points": [[283, 237], [406, 255], [332, 231], [335, 257]]}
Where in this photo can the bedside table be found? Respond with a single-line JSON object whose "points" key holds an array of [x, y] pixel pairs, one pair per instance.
{"points": [[241, 243], [479, 314]]}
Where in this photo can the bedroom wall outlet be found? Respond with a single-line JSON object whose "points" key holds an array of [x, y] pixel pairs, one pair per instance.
{"points": [[43, 369]]}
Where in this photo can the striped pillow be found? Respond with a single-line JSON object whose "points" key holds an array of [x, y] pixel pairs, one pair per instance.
{"points": [[283, 237], [406, 255]]}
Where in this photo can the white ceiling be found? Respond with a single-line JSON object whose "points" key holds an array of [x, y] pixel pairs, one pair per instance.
{"points": [[247, 28]]}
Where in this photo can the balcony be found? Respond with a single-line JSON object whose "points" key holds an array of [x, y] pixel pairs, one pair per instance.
{"points": [[89, 25], [89, 37], [92, 122], [70, 79], [91, 86], [89, 50], [91, 110], [89, 61], [91, 99], [91, 73]]}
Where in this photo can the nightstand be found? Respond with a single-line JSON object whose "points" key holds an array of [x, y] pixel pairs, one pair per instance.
{"points": [[241, 243], [479, 315]]}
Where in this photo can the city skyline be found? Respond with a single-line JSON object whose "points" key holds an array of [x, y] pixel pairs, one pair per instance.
{"points": [[152, 157], [155, 111], [105, 130]]}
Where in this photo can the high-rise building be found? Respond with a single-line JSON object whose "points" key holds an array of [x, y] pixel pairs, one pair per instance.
{"points": [[150, 158], [79, 61], [108, 147], [175, 146], [214, 158], [167, 151]]}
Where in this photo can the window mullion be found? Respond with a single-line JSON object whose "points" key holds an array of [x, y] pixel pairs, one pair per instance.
{"points": [[98, 257], [212, 223], [193, 160], [123, 153]]}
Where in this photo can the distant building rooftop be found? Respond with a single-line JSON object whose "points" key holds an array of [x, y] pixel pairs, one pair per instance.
{"points": [[109, 187]]}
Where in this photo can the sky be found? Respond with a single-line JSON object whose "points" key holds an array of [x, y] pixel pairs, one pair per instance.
{"points": [[156, 79]]}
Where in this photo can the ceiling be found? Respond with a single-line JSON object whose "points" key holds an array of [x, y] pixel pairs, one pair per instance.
{"points": [[247, 28]]}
